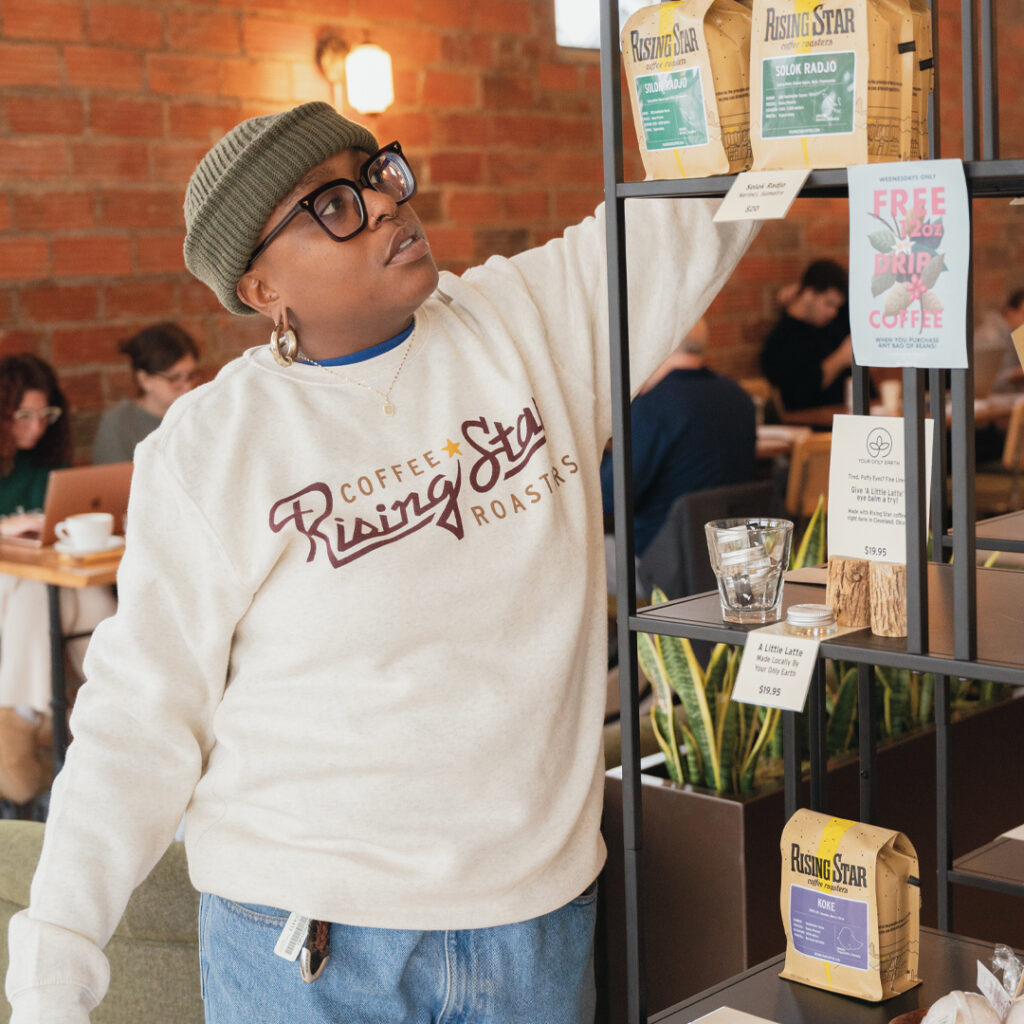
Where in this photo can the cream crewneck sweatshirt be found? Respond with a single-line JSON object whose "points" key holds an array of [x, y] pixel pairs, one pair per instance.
{"points": [[367, 653]]}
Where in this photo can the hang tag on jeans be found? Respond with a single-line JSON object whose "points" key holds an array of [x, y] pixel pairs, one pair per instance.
{"points": [[293, 937]]}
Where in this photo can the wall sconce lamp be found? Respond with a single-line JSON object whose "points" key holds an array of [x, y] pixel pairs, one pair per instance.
{"points": [[365, 69]]}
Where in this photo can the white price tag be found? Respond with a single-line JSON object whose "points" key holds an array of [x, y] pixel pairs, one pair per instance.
{"points": [[867, 508], [292, 938], [724, 1015], [762, 195], [991, 988], [776, 669]]}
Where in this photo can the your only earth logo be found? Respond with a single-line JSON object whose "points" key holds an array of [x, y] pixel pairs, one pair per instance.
{"points": [[879, 443]]}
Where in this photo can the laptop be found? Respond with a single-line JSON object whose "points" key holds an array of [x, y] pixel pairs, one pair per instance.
{"points": [[81, 489]]}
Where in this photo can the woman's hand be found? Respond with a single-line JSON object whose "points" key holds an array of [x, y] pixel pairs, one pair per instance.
{"points": [[21, 524]]}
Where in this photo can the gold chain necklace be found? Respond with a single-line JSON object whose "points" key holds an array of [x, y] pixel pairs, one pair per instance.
{"points": [[389, 406]]}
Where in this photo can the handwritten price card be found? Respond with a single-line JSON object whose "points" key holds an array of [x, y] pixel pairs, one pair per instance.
{"points": [[909, 255], [776, 669], [761, 195], [867, 492]]}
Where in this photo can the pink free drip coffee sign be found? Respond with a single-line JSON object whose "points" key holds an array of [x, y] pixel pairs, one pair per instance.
{"points": [[909, 258]]}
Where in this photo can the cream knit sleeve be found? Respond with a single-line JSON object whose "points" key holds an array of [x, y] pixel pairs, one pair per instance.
{"points": [[142, 730], [677, 261]]}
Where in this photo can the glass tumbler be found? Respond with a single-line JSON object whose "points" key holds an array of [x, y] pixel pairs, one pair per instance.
{"points": [[749, 558]]}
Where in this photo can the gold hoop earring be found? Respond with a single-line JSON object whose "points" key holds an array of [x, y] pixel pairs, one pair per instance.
{"points": [[284, 345]]}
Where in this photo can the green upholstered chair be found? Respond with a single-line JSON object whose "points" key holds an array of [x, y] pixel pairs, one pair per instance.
{"points": [[154, 954]]}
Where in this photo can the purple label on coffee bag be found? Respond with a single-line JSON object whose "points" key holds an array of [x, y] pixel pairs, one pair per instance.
{"points": [[829, 927]]}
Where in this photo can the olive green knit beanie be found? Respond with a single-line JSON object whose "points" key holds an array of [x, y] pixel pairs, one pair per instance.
{"points": [[239, 182]]}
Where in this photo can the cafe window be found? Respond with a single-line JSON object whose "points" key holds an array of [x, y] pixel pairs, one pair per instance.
{"points": [[578, 22]]}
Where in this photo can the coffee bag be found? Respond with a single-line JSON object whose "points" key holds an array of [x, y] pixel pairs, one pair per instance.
{"points": [[924, 79], [890, 80], [851, 905], [827, 84], [687, 63]]}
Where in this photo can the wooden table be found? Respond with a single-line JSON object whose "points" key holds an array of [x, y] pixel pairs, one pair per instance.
{"points": [[57, 570], [996, 409], [947, 962], [776, 440], [818, 418]]}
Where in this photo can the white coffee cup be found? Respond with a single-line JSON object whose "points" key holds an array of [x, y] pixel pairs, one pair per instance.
{"points": [[90, 531], [891, 392]]}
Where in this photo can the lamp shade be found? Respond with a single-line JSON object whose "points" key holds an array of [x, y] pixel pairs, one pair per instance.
{"points": [[368, 78]]}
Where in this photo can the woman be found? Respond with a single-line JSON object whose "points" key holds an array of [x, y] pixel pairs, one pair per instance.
{"points": [[34, 434], [362, 624], [34, 438], [164, 361]]}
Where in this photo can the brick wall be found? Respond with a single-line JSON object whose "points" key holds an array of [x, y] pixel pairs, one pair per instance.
{"points": [[105, 108]]}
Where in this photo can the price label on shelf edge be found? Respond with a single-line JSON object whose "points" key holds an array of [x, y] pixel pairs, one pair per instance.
{"points": [[776, 669], [761, 195]]}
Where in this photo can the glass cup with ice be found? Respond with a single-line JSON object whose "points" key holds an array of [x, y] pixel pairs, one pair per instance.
{"points": [[749, 558]]}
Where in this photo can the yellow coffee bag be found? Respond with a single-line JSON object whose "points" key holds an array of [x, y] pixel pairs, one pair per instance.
{"points": [[686, 63], [924, 79], [829, 86], [808, 83], [851, 906], [890, 80]]}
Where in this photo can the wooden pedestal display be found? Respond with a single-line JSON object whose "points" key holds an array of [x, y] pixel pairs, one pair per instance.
{"points": [[864, 593], [848, 592], [888, 599]]}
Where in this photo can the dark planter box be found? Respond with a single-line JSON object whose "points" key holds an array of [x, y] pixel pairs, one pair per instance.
{"points": [[712, 867]]}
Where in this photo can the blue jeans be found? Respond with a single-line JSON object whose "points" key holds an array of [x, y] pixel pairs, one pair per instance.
{"points": [[534, 972]]}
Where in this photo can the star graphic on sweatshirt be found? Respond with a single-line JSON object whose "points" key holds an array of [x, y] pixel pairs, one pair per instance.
{"points": [[452, 448]]}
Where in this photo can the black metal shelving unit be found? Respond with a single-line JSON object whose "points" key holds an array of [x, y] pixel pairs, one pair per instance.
{"points": [[951, 608]]}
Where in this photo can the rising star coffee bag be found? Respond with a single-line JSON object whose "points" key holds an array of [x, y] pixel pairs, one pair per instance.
{"points": [[891, 76], [924, 78], [686, 63], [851, 906], [831, 82]]}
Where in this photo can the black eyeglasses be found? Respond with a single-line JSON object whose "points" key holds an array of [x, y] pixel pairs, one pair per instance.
{"points": [[338, 206]]}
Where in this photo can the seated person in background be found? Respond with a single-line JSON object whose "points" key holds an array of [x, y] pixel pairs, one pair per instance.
{"points": [[692, 429], [164, 359], [34, 438], [808, 353], [993, 334]]}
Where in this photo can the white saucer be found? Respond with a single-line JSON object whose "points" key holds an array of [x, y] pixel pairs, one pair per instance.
{"points": [[67, 549]]}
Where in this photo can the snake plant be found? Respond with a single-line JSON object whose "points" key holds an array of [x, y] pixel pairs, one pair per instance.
{"points": [[724, 741], [811, 549]]}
